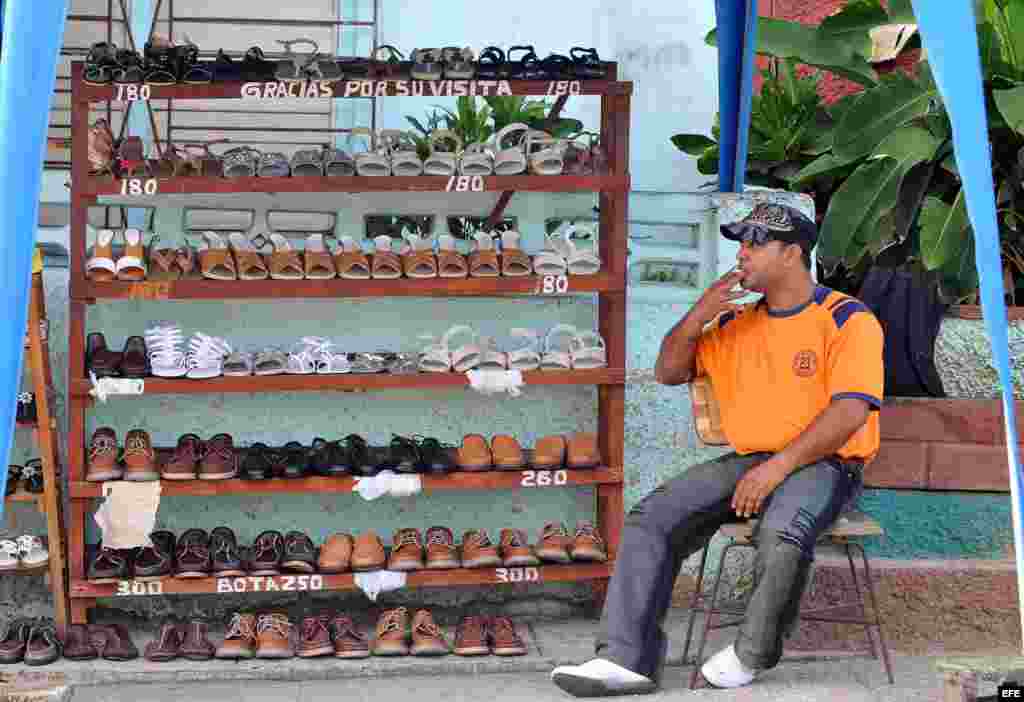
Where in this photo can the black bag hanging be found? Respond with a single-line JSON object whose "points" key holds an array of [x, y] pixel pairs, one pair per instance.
{"points": [[910, 312]]}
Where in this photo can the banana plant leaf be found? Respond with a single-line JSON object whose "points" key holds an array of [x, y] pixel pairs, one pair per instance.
{"points": [[882, 110]]}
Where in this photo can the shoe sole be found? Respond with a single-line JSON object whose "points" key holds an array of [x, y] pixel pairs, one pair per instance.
{"points": [[352, 654], [430, 651], [443, 565], [105, 581], [234, 656], [103, 477], [142, 477], [517, 561], [275, 655], [405, 567], [578, 686], [555, 557], [191, 574], [300, 566], [391, 651], [510, 651], [367, 568], [474, 651], [218, 476], [264, 571], [488, 562], [325, 650], [228, 574], [593, 556], [179, 476]]}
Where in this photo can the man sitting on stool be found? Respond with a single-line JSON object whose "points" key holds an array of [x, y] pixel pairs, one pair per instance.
{"points": [[798, 377]]}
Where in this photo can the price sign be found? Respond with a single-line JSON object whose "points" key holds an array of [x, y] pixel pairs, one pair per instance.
{"points": [[136, 187], [544, 478], [139, 589], [464, 184], [552, 285], [271, 583], [517, 575], [130, 92], [564, 87]]}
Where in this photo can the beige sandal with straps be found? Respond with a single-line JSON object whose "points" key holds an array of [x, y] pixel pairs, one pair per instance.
{"points": [[351, 262], [385, 265], [450, 263], [483, 262], [418, 260], [215, 261], [285, 262], [318, 260], [248, 261], [514, 261]]}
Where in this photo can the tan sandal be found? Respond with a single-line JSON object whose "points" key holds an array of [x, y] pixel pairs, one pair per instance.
{"points": [[386, 264], [285, 262], [549, 452], [350, 261], [132, 265], [483, 262], [418, 260], [162, 263], [185, 258], [101, 267], [215, 261], [450, 263], [318, 260], [248, 261], [514, 262]]}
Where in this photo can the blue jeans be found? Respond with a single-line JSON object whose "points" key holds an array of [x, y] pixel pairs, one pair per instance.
{"points": [[679, 518]]}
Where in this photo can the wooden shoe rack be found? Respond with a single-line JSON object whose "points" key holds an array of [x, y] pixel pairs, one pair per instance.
{"points": [[44, 431], [609, 285]]}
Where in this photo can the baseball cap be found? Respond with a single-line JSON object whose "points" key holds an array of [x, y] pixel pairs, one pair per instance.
{"points": [[772, 222]]}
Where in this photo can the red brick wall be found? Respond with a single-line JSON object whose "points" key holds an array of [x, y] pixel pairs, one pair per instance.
{"points": [[832, 87]]}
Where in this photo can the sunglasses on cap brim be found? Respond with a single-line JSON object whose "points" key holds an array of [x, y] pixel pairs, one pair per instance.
{"points": [[749, 234]]}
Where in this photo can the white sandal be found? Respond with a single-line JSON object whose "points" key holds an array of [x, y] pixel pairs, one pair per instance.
{"points": [[132, 266], [434, 357], [589, 352], [375, 161], [326, 360], [490, 357], [270, 361], [477, 160], [510, 159], [467, 356], [552, 260], [545, 153], [10, 555], [581, 261], [559, 344], [302, 359], [206, 355], [33, 551], [100, 266], [514, 261], [443, 163], [404, 159], [165, 345], [525, 356]]}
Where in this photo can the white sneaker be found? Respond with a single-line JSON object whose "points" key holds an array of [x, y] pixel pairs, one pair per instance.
{"points": [[165, 343], [10, 555], [33, 551], [724, 669], [206, 355], [601, 678]]}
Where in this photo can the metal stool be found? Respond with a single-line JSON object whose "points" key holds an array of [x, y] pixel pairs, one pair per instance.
{"points": [[843, 534]]}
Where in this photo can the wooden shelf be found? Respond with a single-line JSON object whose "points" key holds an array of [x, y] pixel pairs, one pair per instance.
{"points": [[339, 288], [22, 495], [35, 570], [354, 381], [356, 87], [110, 190], [81, 588], [489, 480]]}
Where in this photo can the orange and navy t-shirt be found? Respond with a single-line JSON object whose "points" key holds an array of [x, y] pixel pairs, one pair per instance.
{"points": [[774, 371]]}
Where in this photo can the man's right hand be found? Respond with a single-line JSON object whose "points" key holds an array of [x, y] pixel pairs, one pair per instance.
{"points": [[719, 297]]}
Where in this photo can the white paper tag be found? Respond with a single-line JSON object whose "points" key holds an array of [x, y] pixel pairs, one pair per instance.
{"points": [[128, 515], [493, 382], [104, 387], [388, 483], [378, 581]]}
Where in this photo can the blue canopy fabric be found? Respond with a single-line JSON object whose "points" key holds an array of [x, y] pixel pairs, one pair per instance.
{"points": [[32, 32]]}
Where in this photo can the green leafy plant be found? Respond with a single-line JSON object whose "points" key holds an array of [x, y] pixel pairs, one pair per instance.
{"points": [[468, 121], [534, 113]]}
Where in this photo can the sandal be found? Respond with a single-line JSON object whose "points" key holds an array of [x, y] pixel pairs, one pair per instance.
{"points": [[390, 66], [510, 144], [559, 344], [293, 66], [307, 162], [101, 267], [386, 265], [129, 68], [477, 160], [557, 67], [162, 266], [192, 71], [273, 164], [248, 261], [514, 262], [467, 356], [450, 263], [101, 148], [171, 163], [201, 162], [215, 261], [269, 361], [131, 158], [458, 63], [586, 64], [545, 153], [375, 161], [418, 260], [326, 360], [589, 352], [160, 62], [206, 356], [285, 262], [582, 261], [434, 357], [426, 64], [363, 362], [528, 67], [238, 364], [301, 359], [490, 357], [483, 261], [132, 265], [186, 260], [100, 64], [526, 355], [491, 65], [350, 261], [404, 159], [552, 260], [338, 163], [319, 265], [241, 162], [443, 163]]}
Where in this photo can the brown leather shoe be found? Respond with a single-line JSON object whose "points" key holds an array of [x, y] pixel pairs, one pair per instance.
{"points": [[102, 464], [77, 644], [441, 551], [99, 359], [582, 451], [182, 463], [516, 549], [139, 457], [427, 637], [219, 461], [554, 544], [505, 640], [134, 358], [392, 628], [349, 638], [14, 639], [167, 645], [478, 551], [588, 544], [314, 639], [368, 552], [549, 453], [474, 454], [507, 453], [336, 554], [196, 644], [113, 642], [406, 550], [266, 553], [240, 641], [43, 645], [471, 637], [274, 636]]}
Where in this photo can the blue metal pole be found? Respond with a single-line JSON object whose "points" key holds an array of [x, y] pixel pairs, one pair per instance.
{"points": [[28, 71], [737, 28]]}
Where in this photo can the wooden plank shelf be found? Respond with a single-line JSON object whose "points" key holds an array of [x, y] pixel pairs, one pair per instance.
{"points": [[353, 382], [22, 495], [119, 191], [81, 588], [485, 480], [340, 288]]}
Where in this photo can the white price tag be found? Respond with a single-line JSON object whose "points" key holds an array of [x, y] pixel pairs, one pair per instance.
{"points": [[465, 184], [132, 92], [553, 285], [564, 87], [136, 588], [137, 187], [544, 478], [271, 583]]}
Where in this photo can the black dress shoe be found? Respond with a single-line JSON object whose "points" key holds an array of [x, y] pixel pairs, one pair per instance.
{"points": [[296, 460], [156, 560], [435, 457], [358, 457], [255, 465], [327, 458], [299, 553], [225, 559], [403, 455]]}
